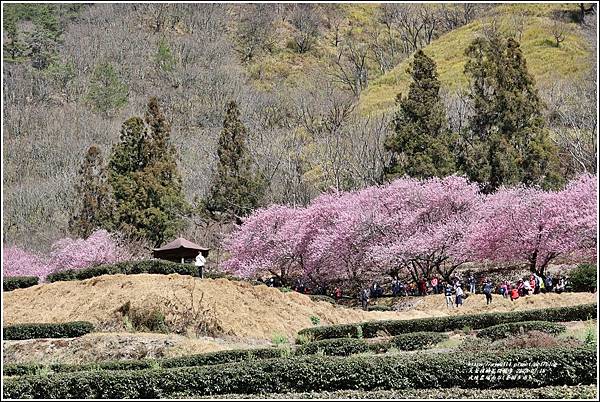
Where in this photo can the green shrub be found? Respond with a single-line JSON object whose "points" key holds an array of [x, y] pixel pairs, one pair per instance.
{"points": [[324, 298], [500, 331], [334, 347], [128, 268], [18, 282], [417, 340], [370, 329], [204, 359], [315, 320], [315, 373], [380, 308], [43, 330], [583, 278]]}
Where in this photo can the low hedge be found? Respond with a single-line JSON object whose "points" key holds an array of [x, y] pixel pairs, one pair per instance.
{"points": [[417, 340], [128, 268], [550, 392], [334, 347], [205, 359], [380, 308], [513, 328], [319, 373], [372, 329], [18, 282], [47, 330]]}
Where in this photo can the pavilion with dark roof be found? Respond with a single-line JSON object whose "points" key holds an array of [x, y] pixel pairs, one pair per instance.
{"points": [[180, 250]]}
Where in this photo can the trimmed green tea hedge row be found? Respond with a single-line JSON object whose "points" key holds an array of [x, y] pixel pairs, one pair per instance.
{"points": [[351, 346], [380, 308], [317, 373], [550, 392], [128, 267], [334, 347], [47, 330], [505, 330], [205, 359], [372, 329], [417, 340], [18, 282]]}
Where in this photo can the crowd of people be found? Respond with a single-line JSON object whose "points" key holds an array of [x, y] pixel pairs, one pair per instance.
{"points": [[454, 290]]}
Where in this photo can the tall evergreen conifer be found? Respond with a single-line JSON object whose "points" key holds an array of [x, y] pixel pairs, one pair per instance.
{"points": [[421, 139], [145, 179], [507, 142], [236, 189], [95, 203]]}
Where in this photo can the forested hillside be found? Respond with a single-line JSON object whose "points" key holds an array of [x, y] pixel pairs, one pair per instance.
{"points": [[312, 86]]}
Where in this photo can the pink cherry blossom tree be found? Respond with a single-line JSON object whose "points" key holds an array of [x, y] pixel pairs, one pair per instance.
{"points": [[18, 262], [100, 247], [423, 225], [260, 247], [528, 225]]}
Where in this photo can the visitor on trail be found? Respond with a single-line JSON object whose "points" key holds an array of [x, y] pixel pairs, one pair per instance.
{"points": [[364, 299], [560, 287], [548, 284], [459, 295], [199, 262], [471, 283], [533, 284], [337, 292], [504, 289], [521, 287], [395, 287], [434, 285], [376, 290], [487, 291], [403, 289], [514, 294], [527, 288], [448, 293], [422, 287]]}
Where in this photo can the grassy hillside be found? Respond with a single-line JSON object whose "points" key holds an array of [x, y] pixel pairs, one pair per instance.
{"points": [[545, 61]]}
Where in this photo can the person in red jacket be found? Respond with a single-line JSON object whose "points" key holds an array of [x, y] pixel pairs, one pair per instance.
{"points": [[514, 294]]}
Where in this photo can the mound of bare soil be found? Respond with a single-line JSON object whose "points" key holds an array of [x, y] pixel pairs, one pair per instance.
{"points": [[221, 307]]}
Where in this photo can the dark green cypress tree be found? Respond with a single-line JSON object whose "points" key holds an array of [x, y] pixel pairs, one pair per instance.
{"points": [[145, 179], [95, 203], [506, 142], [420, 144], [236, 188]]}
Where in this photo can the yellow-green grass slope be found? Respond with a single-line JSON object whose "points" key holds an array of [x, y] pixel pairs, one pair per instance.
{"points": [[544, 60]]}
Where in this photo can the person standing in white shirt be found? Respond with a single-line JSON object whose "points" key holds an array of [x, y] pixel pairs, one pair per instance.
{"points": [[199, 262]]}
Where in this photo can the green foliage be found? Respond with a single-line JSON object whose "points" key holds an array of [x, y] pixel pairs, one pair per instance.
{"points": [[128, 268], [311, 373], [95, 203], [334, 347], [45, 330], [164, 57], [315, 320], [420, 144], [454, 393], [370, 329], [279, 339], [205, 359], [61, 75], [236, 189], [496, 332], [506, 142], [380, 308], [145, 180], [18, 282], [590, 334], [417, 340], [107, 93], [322, 298], [583, 278]]}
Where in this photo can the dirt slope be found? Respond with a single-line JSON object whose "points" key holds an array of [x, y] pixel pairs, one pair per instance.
{"points": [[240, 309]]}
